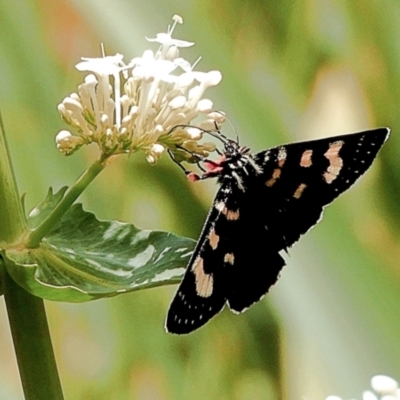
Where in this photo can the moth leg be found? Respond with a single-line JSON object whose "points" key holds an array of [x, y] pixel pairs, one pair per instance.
{"points": [[190, 174], [178, 163]]}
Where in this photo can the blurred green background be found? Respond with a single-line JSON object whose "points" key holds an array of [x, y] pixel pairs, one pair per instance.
{"points": [[292, 70]]}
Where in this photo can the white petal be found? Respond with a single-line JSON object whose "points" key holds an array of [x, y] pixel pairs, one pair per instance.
{"points": [[72, 105], [204, 106], [195, 92], [213, 78], [210, 147], [108, 65], [368, 395], [91, 80], [195, 133], [165, 39], [389, 397], [104, 120], [217, 116], [185, 80], [150, 159], [207, 125], [384, 384], [172, 53], [182, 63], [63, 111], [181, 43], [75, 97], [210, 78], [177, 18], [158, 129], [160, 38], [157, 148], [62, 135], [177, 102]]}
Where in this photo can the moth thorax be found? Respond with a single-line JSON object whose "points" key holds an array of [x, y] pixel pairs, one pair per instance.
{"points": [[238, 169], [238, 163]]}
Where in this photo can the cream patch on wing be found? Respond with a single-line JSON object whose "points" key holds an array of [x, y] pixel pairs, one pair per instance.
{"points": [[204, 282], [335, 161]]}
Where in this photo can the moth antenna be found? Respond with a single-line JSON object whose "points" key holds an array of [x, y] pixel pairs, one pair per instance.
{"points": [[222, 138], [200, 158], [231, 125]]}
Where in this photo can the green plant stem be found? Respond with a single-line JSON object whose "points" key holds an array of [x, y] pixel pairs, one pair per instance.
{"points": [[26, 313], [32, 342], [11, 213], [73, 193]]}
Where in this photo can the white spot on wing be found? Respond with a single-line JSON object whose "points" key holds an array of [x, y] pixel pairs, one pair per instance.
{"points": [[282, 154], [229, 214], [220, 205]]}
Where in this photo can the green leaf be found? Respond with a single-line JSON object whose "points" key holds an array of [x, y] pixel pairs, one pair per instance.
{"points": [[42, 210], [84, 258]]}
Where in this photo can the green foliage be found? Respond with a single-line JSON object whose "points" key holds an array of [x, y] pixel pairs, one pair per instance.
{"points": [[84, 258]]}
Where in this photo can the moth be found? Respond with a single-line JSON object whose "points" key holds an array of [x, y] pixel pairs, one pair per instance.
{"points": [[265, 202]]}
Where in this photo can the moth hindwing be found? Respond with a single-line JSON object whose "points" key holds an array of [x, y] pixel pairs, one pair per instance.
{"points": [[266, 201]]}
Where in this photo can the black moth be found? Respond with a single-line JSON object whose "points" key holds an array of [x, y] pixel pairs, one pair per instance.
{"points": [[265, 203]]}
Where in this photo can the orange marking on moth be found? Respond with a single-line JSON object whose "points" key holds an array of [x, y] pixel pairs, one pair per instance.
{"points": [[229, 258], [299, 191], [213, 239], [204, 282], [335, 162], [229, 214], [275, 175], [306, 159], [281, 157]]}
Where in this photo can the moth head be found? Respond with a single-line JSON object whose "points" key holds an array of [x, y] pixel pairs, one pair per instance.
{"points": [[232, 150]]}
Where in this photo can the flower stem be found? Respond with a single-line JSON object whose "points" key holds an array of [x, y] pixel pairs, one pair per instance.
{"points": [[11, 213], [73, 193], [32, 342]]}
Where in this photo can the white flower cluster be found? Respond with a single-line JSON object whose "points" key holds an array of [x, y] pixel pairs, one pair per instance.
{"points": [[126, 108], [384, 388]]}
